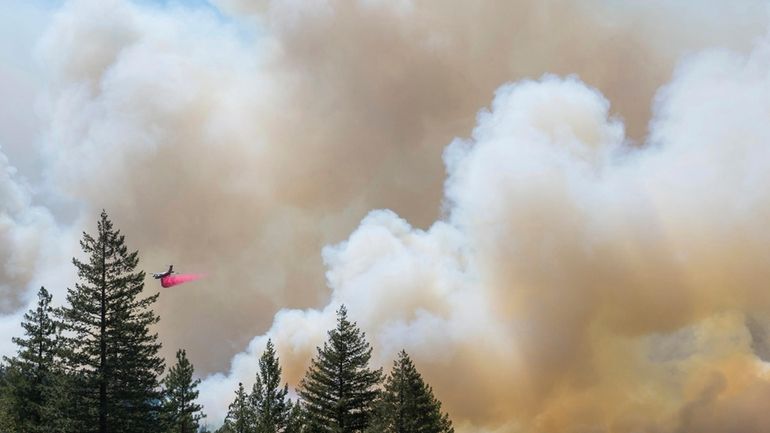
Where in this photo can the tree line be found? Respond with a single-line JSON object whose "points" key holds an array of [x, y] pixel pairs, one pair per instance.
{"points": [[93, 366]]}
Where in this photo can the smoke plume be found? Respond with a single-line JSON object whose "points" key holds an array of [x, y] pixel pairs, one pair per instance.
{"points": [[577, 283], [591, 257]]}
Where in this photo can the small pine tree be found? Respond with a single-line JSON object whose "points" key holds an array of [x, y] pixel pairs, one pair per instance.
{"points": [[111, 354], [407, 404], [240, 417], [296, 421], [269, 400], [31, 375], [182, 412], [339, 389]]}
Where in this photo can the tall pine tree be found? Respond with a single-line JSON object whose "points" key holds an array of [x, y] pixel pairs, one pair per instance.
{"points": [[407, 404], [109, 346], [270, 401], [183, 414], [339, 388], [32, 375]]}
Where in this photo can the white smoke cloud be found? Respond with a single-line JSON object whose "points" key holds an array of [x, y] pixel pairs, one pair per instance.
{"points": [[543, 300], [239, 141], [577, 280], [34, 251], [24, 228]]}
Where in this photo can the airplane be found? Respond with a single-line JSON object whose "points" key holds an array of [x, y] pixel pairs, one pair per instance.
{"points": [[160, 275]]}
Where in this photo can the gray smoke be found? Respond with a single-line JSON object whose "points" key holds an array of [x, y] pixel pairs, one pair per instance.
{"points": [[539, 275]]}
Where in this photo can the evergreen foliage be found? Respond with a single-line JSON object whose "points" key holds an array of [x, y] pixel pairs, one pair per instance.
{"points": [[296, 418], [109, 349], [92, 366], [6, 424], [30, 377], [269, 400], [240, 416], [339, 389], [407, 404], [183, 414]]}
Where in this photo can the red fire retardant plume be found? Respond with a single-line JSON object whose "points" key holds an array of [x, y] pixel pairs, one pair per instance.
{"points": [[175, 279]]}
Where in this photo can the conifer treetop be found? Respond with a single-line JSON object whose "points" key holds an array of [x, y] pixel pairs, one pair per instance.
{"points": [[38, 345], [340, 388], [269, 400], [31, 376], [108, 342], [407, 403], [180, 406]]}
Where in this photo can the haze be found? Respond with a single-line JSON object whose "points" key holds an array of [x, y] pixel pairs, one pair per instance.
{"points": [[558, 208]]}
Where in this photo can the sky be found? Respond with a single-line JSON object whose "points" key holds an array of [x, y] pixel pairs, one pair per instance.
{"points": [[557, 208]]}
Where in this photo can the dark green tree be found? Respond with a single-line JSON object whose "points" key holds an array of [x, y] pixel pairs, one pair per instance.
{"points": [[269, 400], [339, 389], [66, 404], [109, 349], [240, 414], [407, 404], [31, 375], [296, 419], [182, 413], [6, 423]]}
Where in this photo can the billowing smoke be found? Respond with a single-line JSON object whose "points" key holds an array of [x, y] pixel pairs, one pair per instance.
{"points": [[31, 245], [244, 143], [22, 230], [577, 283], [577, 264]]}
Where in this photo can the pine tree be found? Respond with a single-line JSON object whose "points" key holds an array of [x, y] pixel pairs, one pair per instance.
{"points": [[407, 404], [6, 423], [255, 401], [6, 419], [182, 412], [65, 404], [240, 416], [31, 375], [269, 400], [296, 421], [111, 354], [339, 389]]}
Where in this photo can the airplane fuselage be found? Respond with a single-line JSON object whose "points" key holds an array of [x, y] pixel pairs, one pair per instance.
{"points": [[164, 274]]}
